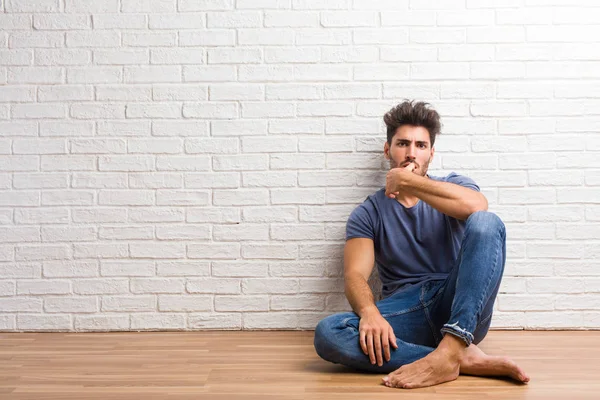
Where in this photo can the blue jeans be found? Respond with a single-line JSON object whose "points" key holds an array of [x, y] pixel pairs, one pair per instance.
{"points": [[421, 314]]}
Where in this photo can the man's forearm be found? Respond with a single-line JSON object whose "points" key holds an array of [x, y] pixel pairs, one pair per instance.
{"points": [[449, 198], [359, 295]]}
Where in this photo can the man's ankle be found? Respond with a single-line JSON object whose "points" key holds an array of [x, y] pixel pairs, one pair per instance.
{"points": [[453, 346]]}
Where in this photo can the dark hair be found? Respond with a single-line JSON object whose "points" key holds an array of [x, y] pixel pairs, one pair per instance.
{"points": [[412, 113]]}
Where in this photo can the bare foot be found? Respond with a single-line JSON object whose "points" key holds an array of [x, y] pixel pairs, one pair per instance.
{"points": [[437, 367], [476, 362]]}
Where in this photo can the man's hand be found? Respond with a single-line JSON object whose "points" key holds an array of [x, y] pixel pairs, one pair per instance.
{"points": [[395, 178], [376, 335]]}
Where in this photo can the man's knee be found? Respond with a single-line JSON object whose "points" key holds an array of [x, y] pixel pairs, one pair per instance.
{"points": [[485, 222], [323, 335], [331, 337]]}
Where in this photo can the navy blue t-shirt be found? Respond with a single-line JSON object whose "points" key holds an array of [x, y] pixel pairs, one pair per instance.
{"points": [[413, 244]]}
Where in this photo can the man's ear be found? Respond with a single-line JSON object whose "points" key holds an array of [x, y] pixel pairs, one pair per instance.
{"points": [[432, 153], [386, 150]]}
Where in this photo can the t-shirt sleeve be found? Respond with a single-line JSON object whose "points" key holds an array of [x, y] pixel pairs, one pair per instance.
{"points": [[360, 223], [462, 180]]}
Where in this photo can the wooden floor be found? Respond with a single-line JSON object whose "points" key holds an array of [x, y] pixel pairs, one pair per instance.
{"points": [[268, 365]]}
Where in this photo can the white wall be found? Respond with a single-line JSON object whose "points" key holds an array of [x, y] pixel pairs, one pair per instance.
{"points": [[191, 164]]}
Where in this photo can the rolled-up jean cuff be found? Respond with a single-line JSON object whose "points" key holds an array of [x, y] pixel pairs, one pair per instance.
{"points": [[456, 330]]}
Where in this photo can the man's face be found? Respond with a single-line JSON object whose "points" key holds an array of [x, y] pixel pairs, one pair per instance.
{"points": [[410, 144]]}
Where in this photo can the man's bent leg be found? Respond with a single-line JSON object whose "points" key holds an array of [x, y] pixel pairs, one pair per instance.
{"points": [[337, 336], [465, 307]]}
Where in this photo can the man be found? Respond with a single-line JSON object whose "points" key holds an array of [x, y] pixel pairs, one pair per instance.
{"points": [[440, 256]]}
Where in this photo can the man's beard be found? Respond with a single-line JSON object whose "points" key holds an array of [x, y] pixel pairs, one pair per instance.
{"points": [[419, 170]]}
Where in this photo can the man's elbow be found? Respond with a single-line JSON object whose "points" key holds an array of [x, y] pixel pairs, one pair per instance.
{"points": [[478, 204]]}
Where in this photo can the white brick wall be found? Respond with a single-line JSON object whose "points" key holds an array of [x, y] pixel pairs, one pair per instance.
{"points": [[190, 164]]}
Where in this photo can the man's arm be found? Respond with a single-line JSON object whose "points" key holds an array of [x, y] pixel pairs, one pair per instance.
{"points": [[376, 334], [449, 198]]}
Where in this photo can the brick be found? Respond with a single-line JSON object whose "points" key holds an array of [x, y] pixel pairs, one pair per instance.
{"points": [[389, 73], [126, 197], [16, 57], [234, 19], [167, 214], [127, 268], [100, 286], [99, 180], [212, 180], [102, 323], [269, 214], [149, 39], [182, 163], [217, 321], [358, 54], [241, 303], [213, 286], [182, 197], [36, 40], [269, 179], [269, 285], [153, 110], [269, 251], [111, 20], [70, 269], [309, 37], [42, 252], [189, 303], [16, 93], [298, 302], [184, 269], [351, 91], [293, 92], [19, 163], [126, 163], [297, 196], [336, 19], [268, 110], [295, 269], [120, 57], [236, 92], [177, 56], [180, 92], [183, 232], [176, 21], [128, 303], [179, 128], [154, 180], [105, 214], [272, 144], [152, 74], [211, 145], [157, 250], [297, 54], [297, 161], [71, 304], [240, 197], [208, 37], [157, 285], [51, 215], [213, 215], [39, 146], [297, 125], [68, 234], [126, 233], [61, 22], [35, 75], [239, 269], [158, 6], [45, 323]]}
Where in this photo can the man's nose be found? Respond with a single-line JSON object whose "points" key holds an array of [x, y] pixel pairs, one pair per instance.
{"points": [[411, 152]]}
